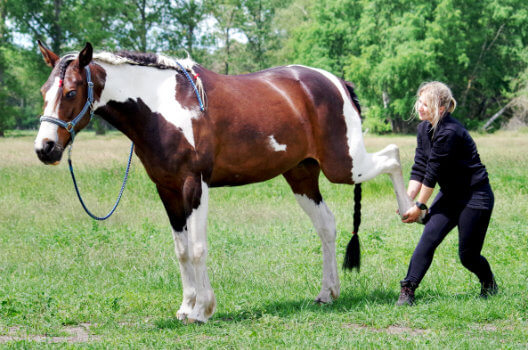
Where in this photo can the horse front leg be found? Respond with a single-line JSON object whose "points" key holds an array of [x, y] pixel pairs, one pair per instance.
{"points": [[197, 197], [173, 202]]}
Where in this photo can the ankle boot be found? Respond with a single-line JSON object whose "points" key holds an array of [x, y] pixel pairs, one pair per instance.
{"points": [[407, 293], [488, 288]]}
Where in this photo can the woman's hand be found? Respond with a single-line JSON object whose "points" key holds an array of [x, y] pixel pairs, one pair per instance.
{"points": [[412, 215]]}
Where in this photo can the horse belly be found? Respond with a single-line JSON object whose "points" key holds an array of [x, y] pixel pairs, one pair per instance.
{"points": [[260, 159]]}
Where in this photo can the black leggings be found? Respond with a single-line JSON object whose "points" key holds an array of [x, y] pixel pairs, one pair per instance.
{"points": [[472, 226]]}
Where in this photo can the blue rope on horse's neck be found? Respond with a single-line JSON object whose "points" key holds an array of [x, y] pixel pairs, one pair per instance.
{"points": [[193, 85], [120, 192]]}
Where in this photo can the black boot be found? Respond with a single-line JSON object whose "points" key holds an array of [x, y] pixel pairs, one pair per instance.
{"points": [[488, 288], [407, 293]]}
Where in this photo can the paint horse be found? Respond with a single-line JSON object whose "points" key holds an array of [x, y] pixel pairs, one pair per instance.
{"points": [[292, 121]]}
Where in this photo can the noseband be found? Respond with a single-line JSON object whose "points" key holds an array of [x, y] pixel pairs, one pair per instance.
{"points": [[70, 126]]}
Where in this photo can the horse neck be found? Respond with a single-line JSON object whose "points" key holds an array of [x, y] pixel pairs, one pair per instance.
{"points": [[128, 94], [140, 101]]}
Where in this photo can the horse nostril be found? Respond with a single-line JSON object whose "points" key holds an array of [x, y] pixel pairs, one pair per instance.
{"points": [[48, 147]]}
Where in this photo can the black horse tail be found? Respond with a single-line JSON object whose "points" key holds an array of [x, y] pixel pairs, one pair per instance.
{"points": [[353, 253]]}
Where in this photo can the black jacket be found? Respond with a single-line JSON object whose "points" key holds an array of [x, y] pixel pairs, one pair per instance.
{"points": [[449, 157]]}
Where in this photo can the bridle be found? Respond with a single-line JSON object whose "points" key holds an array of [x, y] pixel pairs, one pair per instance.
{"points": [[70, 126]]}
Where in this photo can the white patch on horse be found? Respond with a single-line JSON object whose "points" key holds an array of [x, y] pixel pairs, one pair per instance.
{"points": [[324, 223], [47, 130], [277, 147], [155, 87]]}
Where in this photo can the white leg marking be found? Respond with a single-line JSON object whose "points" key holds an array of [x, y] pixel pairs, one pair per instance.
{"points": [[277, 147], [324, 223], [197, 225], [48, 131], [182, 248]]}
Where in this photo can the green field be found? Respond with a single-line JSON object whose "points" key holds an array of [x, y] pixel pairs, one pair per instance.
{"points": [[67, 279]]}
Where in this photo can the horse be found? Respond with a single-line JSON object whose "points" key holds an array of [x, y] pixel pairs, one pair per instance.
{"points": [[194, 129]]}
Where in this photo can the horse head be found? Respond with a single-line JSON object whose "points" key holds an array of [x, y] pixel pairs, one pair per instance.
{"points": [[68, 101]]}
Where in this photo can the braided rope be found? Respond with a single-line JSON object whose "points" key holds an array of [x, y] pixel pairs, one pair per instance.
{"points": [[120, 192]]}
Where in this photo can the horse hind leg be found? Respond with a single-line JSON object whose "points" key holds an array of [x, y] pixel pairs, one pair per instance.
{"points": [[303, 180], [386, 161]]}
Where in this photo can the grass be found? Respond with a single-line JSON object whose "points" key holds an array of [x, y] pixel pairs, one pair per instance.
{"points": [[119, 280]]}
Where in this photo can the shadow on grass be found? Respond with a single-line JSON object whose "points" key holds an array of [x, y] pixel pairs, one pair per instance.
{"points": [[347, 302]]}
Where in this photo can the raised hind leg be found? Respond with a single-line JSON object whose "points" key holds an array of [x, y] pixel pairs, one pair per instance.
{"points": [[387, 161], [303, 179]]}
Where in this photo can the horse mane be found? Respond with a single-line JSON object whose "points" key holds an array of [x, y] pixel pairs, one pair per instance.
{"points": [[144, 59], [152, 60]]}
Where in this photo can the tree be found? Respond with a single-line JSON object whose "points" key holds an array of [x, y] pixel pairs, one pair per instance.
{"points": [[257, 27], [227, 16], [6, 118], [138, 25], [389, 47]]}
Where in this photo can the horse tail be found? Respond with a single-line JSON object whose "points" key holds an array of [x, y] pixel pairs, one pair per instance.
{"points": [[355, 100], [353, 253]]}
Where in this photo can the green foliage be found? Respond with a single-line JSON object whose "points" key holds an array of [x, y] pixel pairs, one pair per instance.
{"points": [[389, 47]]}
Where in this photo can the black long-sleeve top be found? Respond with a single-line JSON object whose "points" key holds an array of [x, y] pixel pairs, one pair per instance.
{"points": [[449, 157]]}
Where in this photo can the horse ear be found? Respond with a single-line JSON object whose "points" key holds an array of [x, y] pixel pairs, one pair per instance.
{"points": [[85, 56], [49, 57]]}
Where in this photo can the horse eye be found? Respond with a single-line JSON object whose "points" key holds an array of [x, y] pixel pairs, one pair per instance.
{"points": [[71, 94]]}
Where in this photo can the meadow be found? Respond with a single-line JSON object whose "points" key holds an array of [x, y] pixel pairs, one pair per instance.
{"points": [[69, 281]]}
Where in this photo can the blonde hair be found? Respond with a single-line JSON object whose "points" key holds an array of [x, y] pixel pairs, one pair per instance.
{"points": [[436, 95]]}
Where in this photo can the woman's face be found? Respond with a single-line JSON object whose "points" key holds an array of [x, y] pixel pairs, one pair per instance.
{"points": [[424, 112]]}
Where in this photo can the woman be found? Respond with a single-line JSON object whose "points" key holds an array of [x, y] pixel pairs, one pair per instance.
{"points": [[447, 155]]}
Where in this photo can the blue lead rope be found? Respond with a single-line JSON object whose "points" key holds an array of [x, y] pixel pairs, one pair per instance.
{"points": [[120, 192], [193, 85]]}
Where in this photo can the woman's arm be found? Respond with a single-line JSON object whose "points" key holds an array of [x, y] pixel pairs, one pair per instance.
{"points": [[413, 188]]}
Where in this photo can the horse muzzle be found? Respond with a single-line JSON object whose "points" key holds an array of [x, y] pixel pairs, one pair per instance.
{"points": [[49, 152]]}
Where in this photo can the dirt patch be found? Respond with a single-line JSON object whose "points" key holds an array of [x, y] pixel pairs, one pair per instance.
{"points": [[488, 327], [77, 334], [395, 329]]}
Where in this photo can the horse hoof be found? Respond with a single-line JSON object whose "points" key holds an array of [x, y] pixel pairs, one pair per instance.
{"points": [[193, 320], [322, 301], [181, 316]]}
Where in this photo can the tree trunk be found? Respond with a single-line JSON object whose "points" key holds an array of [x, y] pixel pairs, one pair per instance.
{"points": [[227, 46], [56, 30], [495, 116], [3, 16]]}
